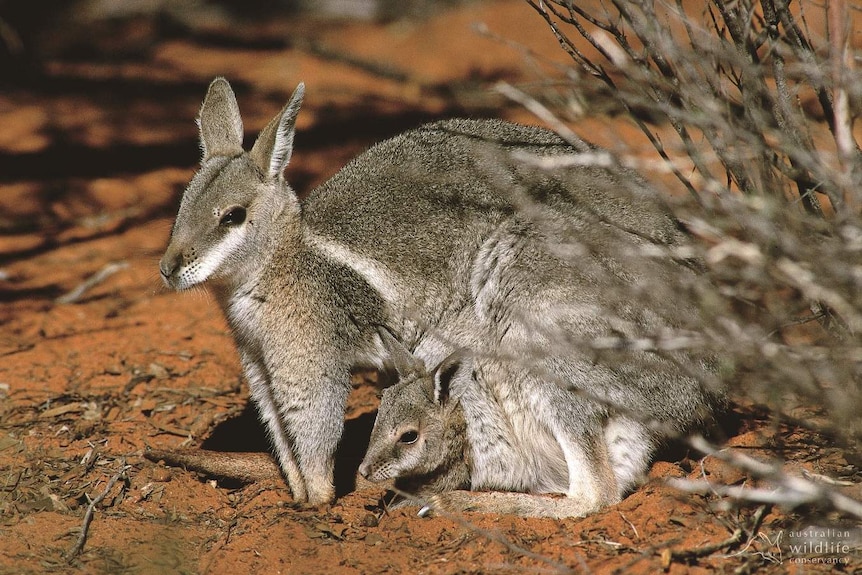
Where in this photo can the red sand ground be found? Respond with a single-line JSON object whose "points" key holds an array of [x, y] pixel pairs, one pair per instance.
{"points": [[93, 159]]}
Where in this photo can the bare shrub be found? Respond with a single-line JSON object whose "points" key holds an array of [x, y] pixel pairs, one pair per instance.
{"points": [[749, 107]]}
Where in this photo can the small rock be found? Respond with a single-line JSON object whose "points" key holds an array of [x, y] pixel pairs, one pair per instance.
{"points": [[114, 369], [161, 474], [665, 469], [719, 471], [373, 539], [158, 371]]}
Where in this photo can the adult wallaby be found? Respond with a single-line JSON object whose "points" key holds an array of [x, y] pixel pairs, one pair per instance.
{"points": [[436, 234], [442, 432]]}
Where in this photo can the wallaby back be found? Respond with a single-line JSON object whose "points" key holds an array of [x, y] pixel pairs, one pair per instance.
{"points": [[458, 176]]}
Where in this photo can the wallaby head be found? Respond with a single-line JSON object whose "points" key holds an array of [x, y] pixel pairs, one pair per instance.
{"points": [[420, 429], [229, 210]]}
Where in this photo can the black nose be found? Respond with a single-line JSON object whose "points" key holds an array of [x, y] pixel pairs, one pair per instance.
{"points": [[168, 266], [364, 471]]}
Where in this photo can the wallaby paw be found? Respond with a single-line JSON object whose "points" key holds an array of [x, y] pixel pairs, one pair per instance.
{"points": [[392, 501], [449, 502], [318, 491]]}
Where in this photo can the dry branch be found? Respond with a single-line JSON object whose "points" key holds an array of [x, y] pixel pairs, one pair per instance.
{"points": [[91, 282], [789, 491], [91, 510]]}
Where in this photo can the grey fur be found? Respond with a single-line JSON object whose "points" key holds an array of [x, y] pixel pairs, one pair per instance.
{"points": [[460, 437], [440, 237]]}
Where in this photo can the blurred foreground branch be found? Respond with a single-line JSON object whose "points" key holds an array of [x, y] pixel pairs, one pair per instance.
{"points": [[787, 490], [749, 109]]}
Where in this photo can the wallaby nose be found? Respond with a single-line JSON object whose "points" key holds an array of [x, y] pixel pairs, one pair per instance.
{"points": [[167, 266], [363, 470]]}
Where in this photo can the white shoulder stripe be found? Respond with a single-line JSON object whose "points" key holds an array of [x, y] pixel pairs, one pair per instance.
{"points": [[372, 271]]}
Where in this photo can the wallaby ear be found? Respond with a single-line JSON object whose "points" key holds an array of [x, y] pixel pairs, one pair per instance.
{"points": [[274, 146], [404, 362], [451, 376], [219, 122]]}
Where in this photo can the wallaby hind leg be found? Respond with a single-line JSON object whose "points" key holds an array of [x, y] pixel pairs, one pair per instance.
{"points": [[577, 426], [591, 480], [522, 504], [630, 449]]}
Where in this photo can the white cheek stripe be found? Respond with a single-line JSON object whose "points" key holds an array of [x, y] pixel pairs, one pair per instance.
{"points": [[372, 271], [207, 264]]}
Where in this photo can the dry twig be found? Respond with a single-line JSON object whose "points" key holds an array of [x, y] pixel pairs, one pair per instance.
{"points": [[91, 510], [790, 491], [91, 282]]}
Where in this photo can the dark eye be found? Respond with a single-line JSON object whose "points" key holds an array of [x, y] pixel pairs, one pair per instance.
{"points": [[408, 437], [233, 217]]}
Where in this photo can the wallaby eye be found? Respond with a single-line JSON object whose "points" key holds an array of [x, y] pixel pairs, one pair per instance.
{"points": [[408, 437], [233, 216]]}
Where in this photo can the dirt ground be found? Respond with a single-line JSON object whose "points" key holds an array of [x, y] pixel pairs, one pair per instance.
{"points": [[99, 362]]}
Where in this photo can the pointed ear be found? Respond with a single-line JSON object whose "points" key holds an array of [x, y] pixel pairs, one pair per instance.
{"points": [[219, 122], [451, 376], [402, 360], [274, 146]]}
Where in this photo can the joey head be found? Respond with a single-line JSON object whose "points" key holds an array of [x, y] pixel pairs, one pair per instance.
{"points": [[419, 438]]}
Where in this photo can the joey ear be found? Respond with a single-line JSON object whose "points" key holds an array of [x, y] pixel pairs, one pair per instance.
{"points": [[404, 362], [451, 376], [219, 122], [274, 146]]}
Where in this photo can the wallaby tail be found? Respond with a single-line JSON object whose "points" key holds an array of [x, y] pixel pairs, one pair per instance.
{"points": [[506, 503]]}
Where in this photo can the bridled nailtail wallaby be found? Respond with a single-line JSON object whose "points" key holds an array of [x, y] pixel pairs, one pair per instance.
{"points": [[444, 239], [443, 432]]}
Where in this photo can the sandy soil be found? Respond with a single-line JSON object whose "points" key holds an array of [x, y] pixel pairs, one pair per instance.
{"points": [[95, 149]]}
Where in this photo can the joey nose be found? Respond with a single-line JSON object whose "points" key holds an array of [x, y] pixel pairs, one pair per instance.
{"points": [[363, 470]]}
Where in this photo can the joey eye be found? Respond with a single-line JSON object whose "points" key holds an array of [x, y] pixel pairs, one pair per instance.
{"points": [[408, 437], [233, 216]]}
